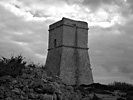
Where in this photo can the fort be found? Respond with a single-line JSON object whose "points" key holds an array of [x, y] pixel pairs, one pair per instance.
{"points": [[68, 56]]}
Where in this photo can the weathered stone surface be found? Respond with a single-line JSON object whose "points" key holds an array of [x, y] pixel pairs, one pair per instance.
{"points": [[87, 98], [9, 98], [16, 90], [47, 97], [31, 85], [5, 79], [31, 96], [68, 55], [45, 88], [95, 97]]}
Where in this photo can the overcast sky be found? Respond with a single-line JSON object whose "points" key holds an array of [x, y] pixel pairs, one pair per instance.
{"points": [[24, 30]]}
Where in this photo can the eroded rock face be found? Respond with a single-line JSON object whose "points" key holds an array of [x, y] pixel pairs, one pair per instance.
{"points": [[33, 84]]}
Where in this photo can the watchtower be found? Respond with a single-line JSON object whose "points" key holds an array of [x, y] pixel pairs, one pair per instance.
{"points": [[68, 55]]}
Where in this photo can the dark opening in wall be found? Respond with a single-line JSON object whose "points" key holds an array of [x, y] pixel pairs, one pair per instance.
{"points": [[55, 44]]}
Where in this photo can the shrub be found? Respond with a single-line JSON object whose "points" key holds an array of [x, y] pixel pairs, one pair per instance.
{"points": [[120, 99], [121, 86], [12, 66]]}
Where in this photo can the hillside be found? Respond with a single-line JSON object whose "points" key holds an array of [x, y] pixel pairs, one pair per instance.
{"points": [[22, 81]]}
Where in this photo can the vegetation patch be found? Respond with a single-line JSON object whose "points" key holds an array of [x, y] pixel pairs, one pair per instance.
{"points": [[22, 81]]}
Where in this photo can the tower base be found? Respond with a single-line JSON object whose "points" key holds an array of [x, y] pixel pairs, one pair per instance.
{"points": [[61, 62]]}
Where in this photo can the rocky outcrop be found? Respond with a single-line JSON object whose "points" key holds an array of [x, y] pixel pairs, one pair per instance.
{"points": [[33, 84]]}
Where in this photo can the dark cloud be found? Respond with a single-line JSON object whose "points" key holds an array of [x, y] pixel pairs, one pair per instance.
{"points": [[110, 48], [112, 51]]}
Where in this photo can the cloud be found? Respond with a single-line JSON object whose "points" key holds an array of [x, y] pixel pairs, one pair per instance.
{"points": [[111, 50], [20, 36], [24, 29], [124, 7], [130, 4], [100, 2], [105, 16]]}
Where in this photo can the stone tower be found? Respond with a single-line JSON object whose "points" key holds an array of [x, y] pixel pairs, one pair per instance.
{"points": [[68, 55]]}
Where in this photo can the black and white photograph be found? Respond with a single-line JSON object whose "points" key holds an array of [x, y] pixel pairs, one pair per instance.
{"points": [[66, 49]]}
